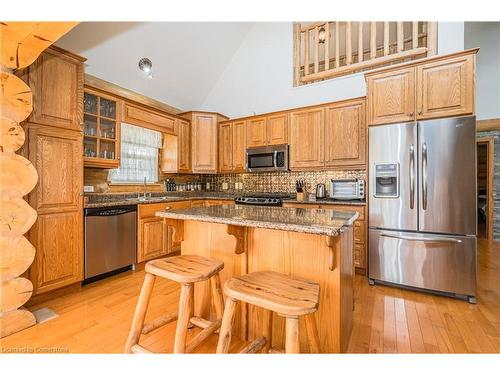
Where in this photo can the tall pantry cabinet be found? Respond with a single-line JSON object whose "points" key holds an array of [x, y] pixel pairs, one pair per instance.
{"points": [[55, 147]]}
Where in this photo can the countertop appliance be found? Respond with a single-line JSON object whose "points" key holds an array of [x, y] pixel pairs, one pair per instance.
{"points": [[110, 240], [423, 207], [347, 189], [262, 199], [267, 158], [320, 191]]}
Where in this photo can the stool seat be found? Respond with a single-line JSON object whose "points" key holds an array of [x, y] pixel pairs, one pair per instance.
{"points": [[185, 268], [276, 292]]}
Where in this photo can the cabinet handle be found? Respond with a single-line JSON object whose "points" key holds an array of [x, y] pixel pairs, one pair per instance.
{"points": [[419, 112], [411, 114]]}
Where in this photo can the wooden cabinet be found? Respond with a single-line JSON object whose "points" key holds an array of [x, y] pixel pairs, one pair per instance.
{"points": [[446, 88], [307, 138], [168, 162], [232, 146], [58, 233], [441, 86], [226, 147], [391, 97], [345, 134], [154, 238], [269, 130], [277, 129], [204, 141], [56, 79], [256, 131], [101, 130], [184, 146], [138, 115]]}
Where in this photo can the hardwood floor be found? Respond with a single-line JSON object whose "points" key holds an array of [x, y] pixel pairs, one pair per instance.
{"points": [[96, 319]]}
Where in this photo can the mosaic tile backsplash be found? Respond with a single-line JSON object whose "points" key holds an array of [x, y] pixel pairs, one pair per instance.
{"points": [[276, 182]]}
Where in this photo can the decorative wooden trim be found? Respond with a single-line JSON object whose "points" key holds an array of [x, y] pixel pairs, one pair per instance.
{"points": [[488, 125], [111, 88], [240, 233], [177, 229], [332, 242], [490, 142]]}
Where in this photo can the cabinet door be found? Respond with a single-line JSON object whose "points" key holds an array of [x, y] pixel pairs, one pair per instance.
{"points": [[256, 132], [307, 138], [345, 136], [168, 162], [58, 239], [446, 88], [141, 116], [391, 97], [184, 146], [57, 157], [56, 79], [153, 239], [239, 146], [204, 143], [226, 147], [277, 129]]}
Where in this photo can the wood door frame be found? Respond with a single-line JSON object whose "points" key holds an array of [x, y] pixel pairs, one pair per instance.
{"points": [[490, 144]]}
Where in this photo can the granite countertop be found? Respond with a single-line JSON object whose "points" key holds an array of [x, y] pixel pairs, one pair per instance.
{"points": [[327, 201], [97, 200], [315, 221]]}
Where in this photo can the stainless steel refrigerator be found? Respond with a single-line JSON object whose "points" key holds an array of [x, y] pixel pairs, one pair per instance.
{"points": [[423, 206]]}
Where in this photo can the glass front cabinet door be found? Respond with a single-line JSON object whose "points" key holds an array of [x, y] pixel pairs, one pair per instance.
{"points": [[101, 130]]}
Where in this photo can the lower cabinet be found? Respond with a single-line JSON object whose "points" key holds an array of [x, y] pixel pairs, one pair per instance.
{"points": [[154, 238]]}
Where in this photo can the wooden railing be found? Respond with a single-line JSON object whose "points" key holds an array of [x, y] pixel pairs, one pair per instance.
{"points": [[324, 50]]}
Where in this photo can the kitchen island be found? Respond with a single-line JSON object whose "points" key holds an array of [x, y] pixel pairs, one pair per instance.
{"points": [[313, 244]]}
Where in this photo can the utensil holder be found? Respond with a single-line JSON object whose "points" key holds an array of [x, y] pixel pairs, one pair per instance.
{"points": [[302, 197]]}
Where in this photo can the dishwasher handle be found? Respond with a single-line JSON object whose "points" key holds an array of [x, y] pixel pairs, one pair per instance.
{"points": [[110, 211]]}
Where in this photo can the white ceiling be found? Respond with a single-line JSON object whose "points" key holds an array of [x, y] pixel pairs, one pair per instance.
{"points": [[188, 57]]}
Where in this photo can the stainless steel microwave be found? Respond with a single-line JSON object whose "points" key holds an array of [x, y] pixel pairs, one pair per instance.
{"points": [[267, 158]]}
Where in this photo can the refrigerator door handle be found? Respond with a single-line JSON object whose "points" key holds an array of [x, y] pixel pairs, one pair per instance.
{"points": [[412, 177], [424, 176], [427, 238]]}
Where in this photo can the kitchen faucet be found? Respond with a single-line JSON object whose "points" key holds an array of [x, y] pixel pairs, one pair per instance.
{"points": [[144, 195]]}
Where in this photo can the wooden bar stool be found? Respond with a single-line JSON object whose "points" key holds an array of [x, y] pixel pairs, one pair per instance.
{"points": [[186, 270], [276, 293]]}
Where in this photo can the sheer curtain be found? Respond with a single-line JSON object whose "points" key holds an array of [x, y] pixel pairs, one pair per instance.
{"points": [[139, 155]]}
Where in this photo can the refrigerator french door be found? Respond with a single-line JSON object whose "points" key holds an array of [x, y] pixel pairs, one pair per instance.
{"points": [[422, 202]]}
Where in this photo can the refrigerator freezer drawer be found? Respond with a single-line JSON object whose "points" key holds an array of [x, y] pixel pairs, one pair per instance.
{"points": [[421, 260]]}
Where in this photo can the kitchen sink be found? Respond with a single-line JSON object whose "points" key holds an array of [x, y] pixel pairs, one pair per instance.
{"points": [[148, 199]]}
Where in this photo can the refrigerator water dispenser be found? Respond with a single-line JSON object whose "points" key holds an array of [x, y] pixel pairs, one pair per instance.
{"points": [[387, 180]]}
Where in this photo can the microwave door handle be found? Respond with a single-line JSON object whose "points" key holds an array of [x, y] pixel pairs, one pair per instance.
{"points": [[412, 177], [275, 158]]}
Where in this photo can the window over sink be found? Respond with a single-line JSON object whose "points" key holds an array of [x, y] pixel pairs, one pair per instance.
{"points": [[139, 155]]}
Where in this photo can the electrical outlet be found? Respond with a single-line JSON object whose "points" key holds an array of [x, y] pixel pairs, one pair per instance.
{"points": [[225, 186]]}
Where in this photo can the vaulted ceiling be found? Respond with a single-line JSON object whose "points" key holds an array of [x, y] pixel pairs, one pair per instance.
{"points": [[188, 57]]}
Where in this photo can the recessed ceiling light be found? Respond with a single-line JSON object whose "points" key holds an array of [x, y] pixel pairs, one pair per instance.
{"points": [[146, 66]]}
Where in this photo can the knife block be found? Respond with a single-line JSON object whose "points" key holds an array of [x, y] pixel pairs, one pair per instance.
{"points": [[302, 197]]}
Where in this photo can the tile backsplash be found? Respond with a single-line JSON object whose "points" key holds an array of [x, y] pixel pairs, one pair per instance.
{"points": [[276, 182]]}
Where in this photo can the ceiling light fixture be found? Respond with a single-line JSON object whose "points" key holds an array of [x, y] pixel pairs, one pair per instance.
{"points": [[146, 66]]}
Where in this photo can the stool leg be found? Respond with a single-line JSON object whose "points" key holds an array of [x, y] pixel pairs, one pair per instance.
{"points": [[267, 329], [292, 335], [140, 312], [226, 327], [183, 319], [217, 296], [312, 334], [191, 312]]}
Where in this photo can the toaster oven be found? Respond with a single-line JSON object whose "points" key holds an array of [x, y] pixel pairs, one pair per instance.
{"points": [[347, 189]]}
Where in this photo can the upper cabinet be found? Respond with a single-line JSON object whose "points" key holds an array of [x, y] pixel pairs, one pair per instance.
{"points": [[391, 97], [441, 86], [345, 134], [232, 146], [446, 88], [141, 116], [184, 146], [268, 130], [204, 141], [101, 130], [307, 139], [329, 136], [56, 79]]}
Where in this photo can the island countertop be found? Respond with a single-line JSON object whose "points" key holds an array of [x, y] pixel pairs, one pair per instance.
{"points": [[314, 221]]}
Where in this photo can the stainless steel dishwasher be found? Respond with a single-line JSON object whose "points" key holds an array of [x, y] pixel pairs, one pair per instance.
{"points": [[110, 240]]}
